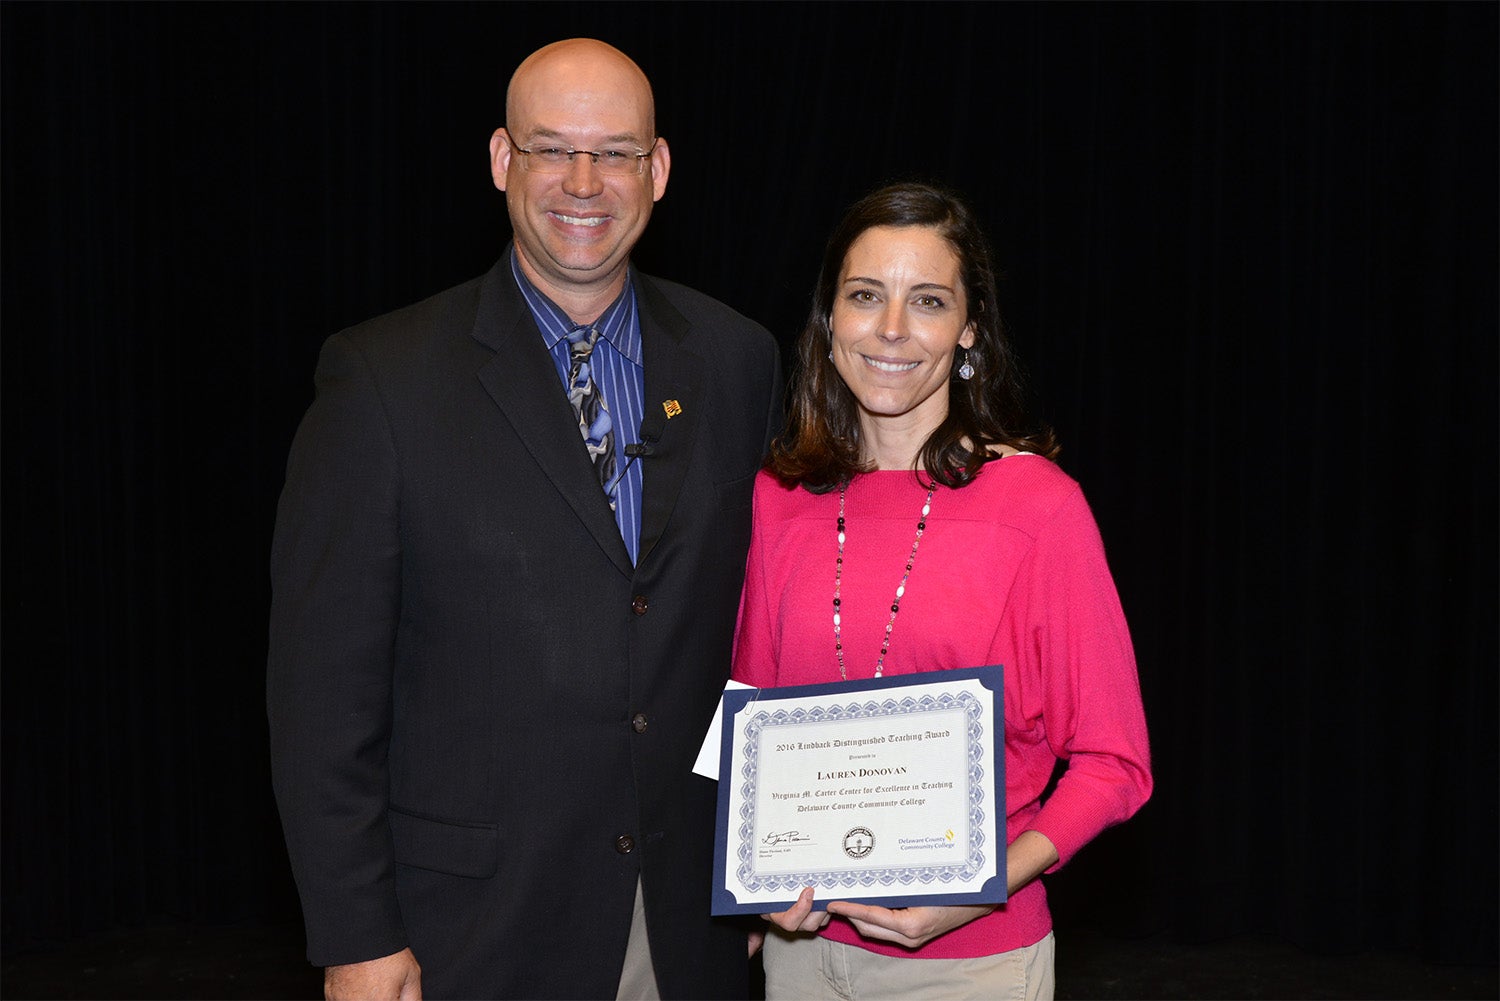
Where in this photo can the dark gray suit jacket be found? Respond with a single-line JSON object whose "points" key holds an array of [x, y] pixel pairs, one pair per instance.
{"points": [[483, 718]]}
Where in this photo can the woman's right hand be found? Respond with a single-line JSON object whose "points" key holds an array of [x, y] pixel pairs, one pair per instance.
{"points": [[800, 917]]}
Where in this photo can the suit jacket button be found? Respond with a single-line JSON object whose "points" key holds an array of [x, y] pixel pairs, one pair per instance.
{"points": [[638, 722], [640, 604], [624, 844]]}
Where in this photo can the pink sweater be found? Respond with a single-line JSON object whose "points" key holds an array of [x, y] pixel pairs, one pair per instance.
{"points": [[1010, 571]]}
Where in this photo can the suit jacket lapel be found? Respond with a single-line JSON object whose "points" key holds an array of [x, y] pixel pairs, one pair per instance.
{"points": [[674, 376], [524, 385]]}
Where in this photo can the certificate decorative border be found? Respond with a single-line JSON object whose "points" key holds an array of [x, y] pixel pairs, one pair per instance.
{"points": [[892, 876]]}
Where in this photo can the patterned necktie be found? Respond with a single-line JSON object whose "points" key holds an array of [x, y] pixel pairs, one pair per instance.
{"points": [[594, 422]]}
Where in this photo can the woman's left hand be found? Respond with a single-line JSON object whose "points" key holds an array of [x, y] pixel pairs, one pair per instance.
{"points": [[908, 926]]}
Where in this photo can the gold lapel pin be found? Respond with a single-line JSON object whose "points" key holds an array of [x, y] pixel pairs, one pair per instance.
{"points": [[672, 408]]}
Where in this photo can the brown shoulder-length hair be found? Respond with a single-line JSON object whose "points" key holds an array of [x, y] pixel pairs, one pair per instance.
{"points": [[821, 446]]}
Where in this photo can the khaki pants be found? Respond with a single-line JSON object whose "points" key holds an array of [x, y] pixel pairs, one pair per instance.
{"points": [[638, 978], [810, 966]]}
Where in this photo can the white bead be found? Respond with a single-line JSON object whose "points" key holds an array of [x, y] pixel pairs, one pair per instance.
{"points": [[835, 618], [900, 590], [841, 538]]}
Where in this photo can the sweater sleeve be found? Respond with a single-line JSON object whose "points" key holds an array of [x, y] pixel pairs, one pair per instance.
{"points": [[1081, 658], [754, 638]]}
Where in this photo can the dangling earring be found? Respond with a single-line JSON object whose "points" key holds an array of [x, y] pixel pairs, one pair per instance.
{"points": [[965, 370]]}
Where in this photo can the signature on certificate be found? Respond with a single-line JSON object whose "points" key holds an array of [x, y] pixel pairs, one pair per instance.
{"points": [[785, 837]]}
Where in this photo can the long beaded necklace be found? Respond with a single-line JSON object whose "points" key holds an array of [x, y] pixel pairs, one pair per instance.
{"points": [[838, 580]]}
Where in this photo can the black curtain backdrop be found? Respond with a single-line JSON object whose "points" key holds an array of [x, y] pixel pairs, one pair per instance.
{"points": [[1250, 257]]}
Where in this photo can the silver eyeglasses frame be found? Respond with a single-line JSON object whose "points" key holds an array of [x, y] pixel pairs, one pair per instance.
{"points": [[640, 159]]}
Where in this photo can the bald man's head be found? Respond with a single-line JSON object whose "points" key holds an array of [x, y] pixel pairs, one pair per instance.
{"points": [[575, 218], [571, 62]]}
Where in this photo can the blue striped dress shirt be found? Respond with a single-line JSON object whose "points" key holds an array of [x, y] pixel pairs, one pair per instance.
{"points": [[620, 376]]}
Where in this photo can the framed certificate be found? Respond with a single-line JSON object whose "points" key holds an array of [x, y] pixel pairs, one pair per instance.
{"points": [[886, 791]]}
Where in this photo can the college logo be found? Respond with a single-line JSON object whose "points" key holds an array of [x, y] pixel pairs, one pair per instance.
{"points": [[859, 842]]}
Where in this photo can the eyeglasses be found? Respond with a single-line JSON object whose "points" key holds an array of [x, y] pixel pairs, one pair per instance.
{"points": [[613, 162]]}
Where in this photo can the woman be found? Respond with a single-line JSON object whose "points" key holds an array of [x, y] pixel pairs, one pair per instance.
{"points": [[907, 521]]}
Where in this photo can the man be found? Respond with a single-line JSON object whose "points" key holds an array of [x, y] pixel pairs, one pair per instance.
{"points": [[505, 576]]}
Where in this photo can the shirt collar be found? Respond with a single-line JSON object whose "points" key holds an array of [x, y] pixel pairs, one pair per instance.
{"points": [[617, 324]]}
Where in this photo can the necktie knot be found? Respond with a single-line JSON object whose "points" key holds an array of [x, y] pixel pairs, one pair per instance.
{"points": [[582, 339]]}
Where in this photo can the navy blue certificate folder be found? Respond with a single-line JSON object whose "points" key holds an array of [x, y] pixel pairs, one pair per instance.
{"points": [[886, 791]]}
